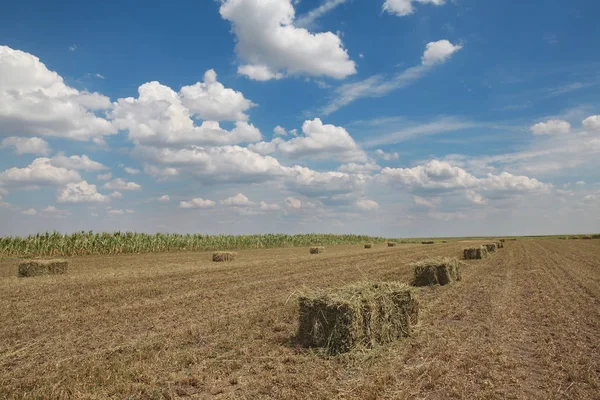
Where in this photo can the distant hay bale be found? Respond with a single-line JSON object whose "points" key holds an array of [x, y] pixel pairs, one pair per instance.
{"points": [[391, 244], [586, 237], [428, 242], [42, 267], [223, 256], [436, 271], [368, 245], [317, 250], [512, 240], [502, 240], [491, 247], [362, 314], [475, 253], [444, 241], [500, 244]]}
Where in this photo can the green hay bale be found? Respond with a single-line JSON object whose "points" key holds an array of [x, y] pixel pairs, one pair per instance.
{"points": [[368, 245], [428, 242], [491, 247], [437, 271], [362, 314], [475, 253], [223, 256], [391, 244], [317, 250], [42, 267]]}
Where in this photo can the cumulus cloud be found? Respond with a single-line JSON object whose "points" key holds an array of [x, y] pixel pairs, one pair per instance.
{"points": [[210, 100], [551, 127], [368, 205], [293, 203], [406, 7], [271, 44], [318, 142], [377, 85], [279, 131], [197, 203], [386, 156], [116, 195], [80, 192], [121, 184], [132, 171], [104, 177], [49, 212], [76, 162], [264, 206], [317, 184], [36, 101], [23, 145], [164, 198], [237, 200], [40, 172], [354, 168], [158, 116], [592, 124]]}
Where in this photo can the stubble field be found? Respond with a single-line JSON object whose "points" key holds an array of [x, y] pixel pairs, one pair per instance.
{"points": [[522, 324]]}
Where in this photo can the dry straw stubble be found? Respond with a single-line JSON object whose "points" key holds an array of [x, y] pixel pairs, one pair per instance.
{"points": [[437, 271], [43, 267], [362, 314]]}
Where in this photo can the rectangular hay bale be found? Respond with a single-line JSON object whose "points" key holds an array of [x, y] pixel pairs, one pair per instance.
{"points": [[428, 242], [42, 267], [475, 253], [437, 271], [223, 256], [391, 244], [362, 314], [317, 250], [491, 247], [368, 245]]}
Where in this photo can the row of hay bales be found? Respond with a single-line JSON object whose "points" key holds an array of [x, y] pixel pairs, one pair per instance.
{"points": [[483, 251]]}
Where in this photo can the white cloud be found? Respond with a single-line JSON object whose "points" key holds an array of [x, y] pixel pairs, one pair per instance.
{"points": [[368, 205], [386, 156], [270, 43], [592, 124], [377, 86], [104, 177], [237, 200], [132, 171], [317, 184], [197, 203], [439, 52], [121, 184], [76, 162], [80, 192], [116, 212], [260, 73], [36, 101], [429, 202], [264, 206], [116, 195], [49, 212], [319, 141], [293, 203], [40, 172], [353, 168], [405, 7], [164, 198], [307, 20], [279, 131], [210, 100], [159, 117], [551, 127], [30, 211], [23, 145], [580, 183]]}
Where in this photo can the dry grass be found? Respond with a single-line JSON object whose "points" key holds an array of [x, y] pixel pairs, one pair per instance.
{"points": [[437, 271], [524, 324], [317, 250], [363, 314], [43, 267], [223, 256]]}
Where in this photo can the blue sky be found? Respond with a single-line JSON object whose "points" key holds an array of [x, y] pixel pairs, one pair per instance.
{"points": [[385, 117]]}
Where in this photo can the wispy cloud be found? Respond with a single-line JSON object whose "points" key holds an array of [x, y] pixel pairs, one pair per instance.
{"points": [[377, 85], [73, 47], [308, 19]]}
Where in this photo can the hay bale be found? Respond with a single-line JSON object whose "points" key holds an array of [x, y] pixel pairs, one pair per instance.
{"points": [[363, 314], [475, 253], [428, 242], [586, 237], [42, 267], [224, 256], [317, 250], [502, 240], [391, 244], [437, 271], [500, 245], [491, 247], [368, 245]]}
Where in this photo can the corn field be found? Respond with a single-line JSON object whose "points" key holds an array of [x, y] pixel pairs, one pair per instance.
{"points": [[86, 243]]}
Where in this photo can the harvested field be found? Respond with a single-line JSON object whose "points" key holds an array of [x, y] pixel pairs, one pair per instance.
{"points": [[524, 324]]}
